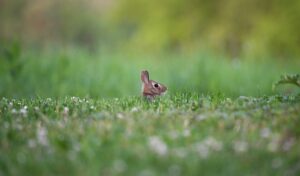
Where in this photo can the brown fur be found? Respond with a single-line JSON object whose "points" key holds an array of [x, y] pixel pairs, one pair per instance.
{"points": [[151, 88]]}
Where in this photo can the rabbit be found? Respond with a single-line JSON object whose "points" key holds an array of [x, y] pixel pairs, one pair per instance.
{"points": [[150, 88]]}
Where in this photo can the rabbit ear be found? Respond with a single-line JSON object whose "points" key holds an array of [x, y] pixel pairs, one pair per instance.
{"points": [[145, 76]]}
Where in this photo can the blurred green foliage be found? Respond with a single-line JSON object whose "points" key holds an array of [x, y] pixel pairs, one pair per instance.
{"points": [[53, 48], [247, 28], [288, 79], [76, 72]]}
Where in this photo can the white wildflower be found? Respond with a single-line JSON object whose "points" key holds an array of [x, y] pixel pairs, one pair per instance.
{"points": [[243, 97], [186, 123], [41, 136], [200, 117], [92, 107], [11, 104], [213, 144], [186, 132], [14, 111], [134, 109], [66, 111], [240, 146], [75, 99], [31, 143], [157, 145], [120, 116], [202, 150], [23, 111], [265, 133]]}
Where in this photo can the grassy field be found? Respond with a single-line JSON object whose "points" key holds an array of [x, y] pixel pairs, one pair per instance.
{"points": [[76, 72], [183, 134]]}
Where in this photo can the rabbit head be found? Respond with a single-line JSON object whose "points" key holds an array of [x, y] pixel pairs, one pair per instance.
{"points": [[151, 88]]}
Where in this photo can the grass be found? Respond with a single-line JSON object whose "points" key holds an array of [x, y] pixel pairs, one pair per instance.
{"points": [[182, 134], [76, 72], [225, 120]]}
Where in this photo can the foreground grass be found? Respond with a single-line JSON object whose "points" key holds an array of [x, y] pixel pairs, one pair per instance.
{"points": [[176, 135]]}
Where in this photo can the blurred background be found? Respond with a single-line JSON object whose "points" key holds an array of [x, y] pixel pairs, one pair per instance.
{"points": [[97, 48]]}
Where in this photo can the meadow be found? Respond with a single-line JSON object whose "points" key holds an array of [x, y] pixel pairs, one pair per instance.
{"points": [[70, 87], [76, 112], [57, 72], [182, 134]]}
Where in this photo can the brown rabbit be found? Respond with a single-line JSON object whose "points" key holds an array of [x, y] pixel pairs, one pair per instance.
{"points": [[151, 88]]}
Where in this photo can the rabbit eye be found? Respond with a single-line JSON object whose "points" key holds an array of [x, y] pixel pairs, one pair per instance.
{"points": [[156, 85]]}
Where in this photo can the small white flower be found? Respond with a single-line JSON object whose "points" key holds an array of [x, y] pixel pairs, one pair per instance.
{"points": [[186, 132], [31, 143], [92, 107], [120, 116], [186, 123], [243, 97], [23, 111], [213, 143], [14, 111], [265, 133], [200, 117], [157, 145], [202, 150], [11, 104], [134, 109], [41, 135], [75, 99], [240, 146], [66, 111]]}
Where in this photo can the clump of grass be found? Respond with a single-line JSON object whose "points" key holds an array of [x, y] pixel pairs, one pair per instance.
{"points": [[288, 79]]}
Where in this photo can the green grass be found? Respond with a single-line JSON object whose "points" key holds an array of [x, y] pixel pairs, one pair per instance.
{"points": [[70, 72], [183, 134]]}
